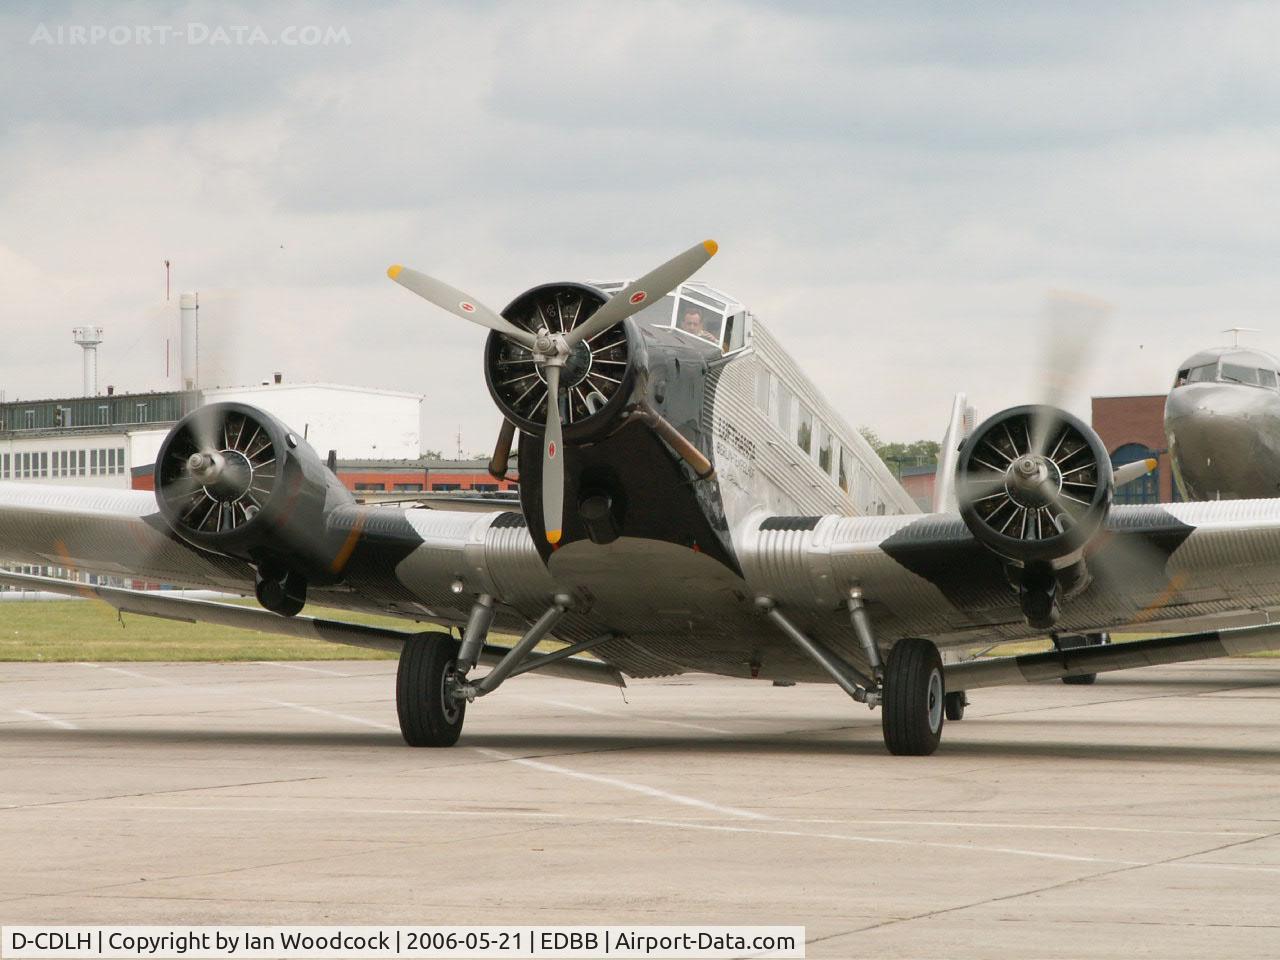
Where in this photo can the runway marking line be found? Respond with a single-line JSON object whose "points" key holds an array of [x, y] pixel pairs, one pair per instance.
{"points": [[306, 708], [609, 713], [298, 666], [586, 818], [890, 841], [639, 788], [45, 718], [128, 673]]}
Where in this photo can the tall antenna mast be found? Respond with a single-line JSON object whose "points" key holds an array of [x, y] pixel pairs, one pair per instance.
{"points": [[1236, 331]]}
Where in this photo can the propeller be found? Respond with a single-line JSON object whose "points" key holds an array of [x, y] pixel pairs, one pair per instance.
{"points": [[1073, 324], [458, 303], [1037, 463], [551, 349], [654, 285]]}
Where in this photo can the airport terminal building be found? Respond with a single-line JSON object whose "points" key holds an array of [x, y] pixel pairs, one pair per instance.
{"points": [[112, 440]]}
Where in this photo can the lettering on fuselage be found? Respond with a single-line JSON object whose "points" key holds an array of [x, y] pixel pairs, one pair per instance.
{"points": [[735, 455]]}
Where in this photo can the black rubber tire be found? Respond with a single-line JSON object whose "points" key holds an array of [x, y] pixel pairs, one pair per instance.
{"points": [[954, 704], [911, 714], [1087, 640], [1081, 680], [427, 719]]}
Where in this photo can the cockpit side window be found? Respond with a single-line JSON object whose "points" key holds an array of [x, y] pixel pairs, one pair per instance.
{"points": [[735, 332], [1234, 373], [1267, 378], [1205, 373]]}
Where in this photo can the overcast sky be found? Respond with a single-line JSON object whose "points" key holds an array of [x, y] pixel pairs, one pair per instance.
{"points": [[894, 187]]}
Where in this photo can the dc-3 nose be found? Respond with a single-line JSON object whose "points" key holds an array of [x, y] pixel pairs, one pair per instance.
{"points": [[1213, 433]]}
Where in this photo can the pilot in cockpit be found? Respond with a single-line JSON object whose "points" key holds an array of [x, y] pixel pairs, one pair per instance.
{"points": [[691, 322]]}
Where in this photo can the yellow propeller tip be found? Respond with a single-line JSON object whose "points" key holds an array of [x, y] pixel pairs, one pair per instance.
{"points": [[393, 271], [1152, 463], [711, 247], [553, 536]]}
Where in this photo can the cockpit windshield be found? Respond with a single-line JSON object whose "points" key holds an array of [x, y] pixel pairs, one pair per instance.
{"points": [[695, 310], [1234, 373], [1225, 372]]}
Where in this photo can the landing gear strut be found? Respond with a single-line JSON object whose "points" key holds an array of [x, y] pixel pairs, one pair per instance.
{"points": [[909, 687], [432, 688]]}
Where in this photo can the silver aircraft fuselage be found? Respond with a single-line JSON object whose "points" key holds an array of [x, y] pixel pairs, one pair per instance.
{"points": [[1222, 423]]}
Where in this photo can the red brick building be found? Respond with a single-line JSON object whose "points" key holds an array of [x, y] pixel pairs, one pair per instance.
{"points": [[418, 476], [397, 476], [1132, 429]]}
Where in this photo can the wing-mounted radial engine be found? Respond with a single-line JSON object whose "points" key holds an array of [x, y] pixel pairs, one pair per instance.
{"points": [[1035, 485], [561, 365], [232, 479]]}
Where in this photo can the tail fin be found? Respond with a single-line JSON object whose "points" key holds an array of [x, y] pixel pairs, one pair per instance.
{"points": [[958, 428]]}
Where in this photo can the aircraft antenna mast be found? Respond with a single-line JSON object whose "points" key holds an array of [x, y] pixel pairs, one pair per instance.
{"points": [[1236, 331]]}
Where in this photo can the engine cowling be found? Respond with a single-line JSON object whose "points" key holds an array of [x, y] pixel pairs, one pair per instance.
{"points": [[234, 480], [1034, 485], [597, 378]]}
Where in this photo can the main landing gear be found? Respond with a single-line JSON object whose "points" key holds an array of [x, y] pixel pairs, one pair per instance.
{"points": [[910, 687], [432, 686]]}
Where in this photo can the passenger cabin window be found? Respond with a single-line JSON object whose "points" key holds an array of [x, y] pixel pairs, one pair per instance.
{"points": [[804, 428], [824, 448], [782, 409], [764, 386]]}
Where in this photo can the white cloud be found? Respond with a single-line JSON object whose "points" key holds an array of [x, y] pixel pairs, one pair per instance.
{"points": [[894, 186]]}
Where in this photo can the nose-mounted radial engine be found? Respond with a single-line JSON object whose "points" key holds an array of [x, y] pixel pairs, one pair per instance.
{"points": [[233, 480], [1035, 486], [558, 363]]}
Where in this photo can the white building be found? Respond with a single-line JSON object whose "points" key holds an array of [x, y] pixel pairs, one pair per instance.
{"points": [[107, 440]]}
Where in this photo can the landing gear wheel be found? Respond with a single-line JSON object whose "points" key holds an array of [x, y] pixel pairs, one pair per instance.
{"points": [[954, 704], [1081, 680], [1085, 640], [429, 716], [912, 709]]}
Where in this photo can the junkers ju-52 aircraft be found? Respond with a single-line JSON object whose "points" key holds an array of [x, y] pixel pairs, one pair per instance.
{"points": [[689, 502]]}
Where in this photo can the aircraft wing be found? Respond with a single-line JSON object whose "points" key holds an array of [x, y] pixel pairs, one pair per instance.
{"points": [[1151, 569], [403, 563]]}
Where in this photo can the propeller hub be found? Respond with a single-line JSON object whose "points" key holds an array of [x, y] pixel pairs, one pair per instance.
{"points": [[206, 467], [574, 366], [1033, 481], [226, 476]]}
